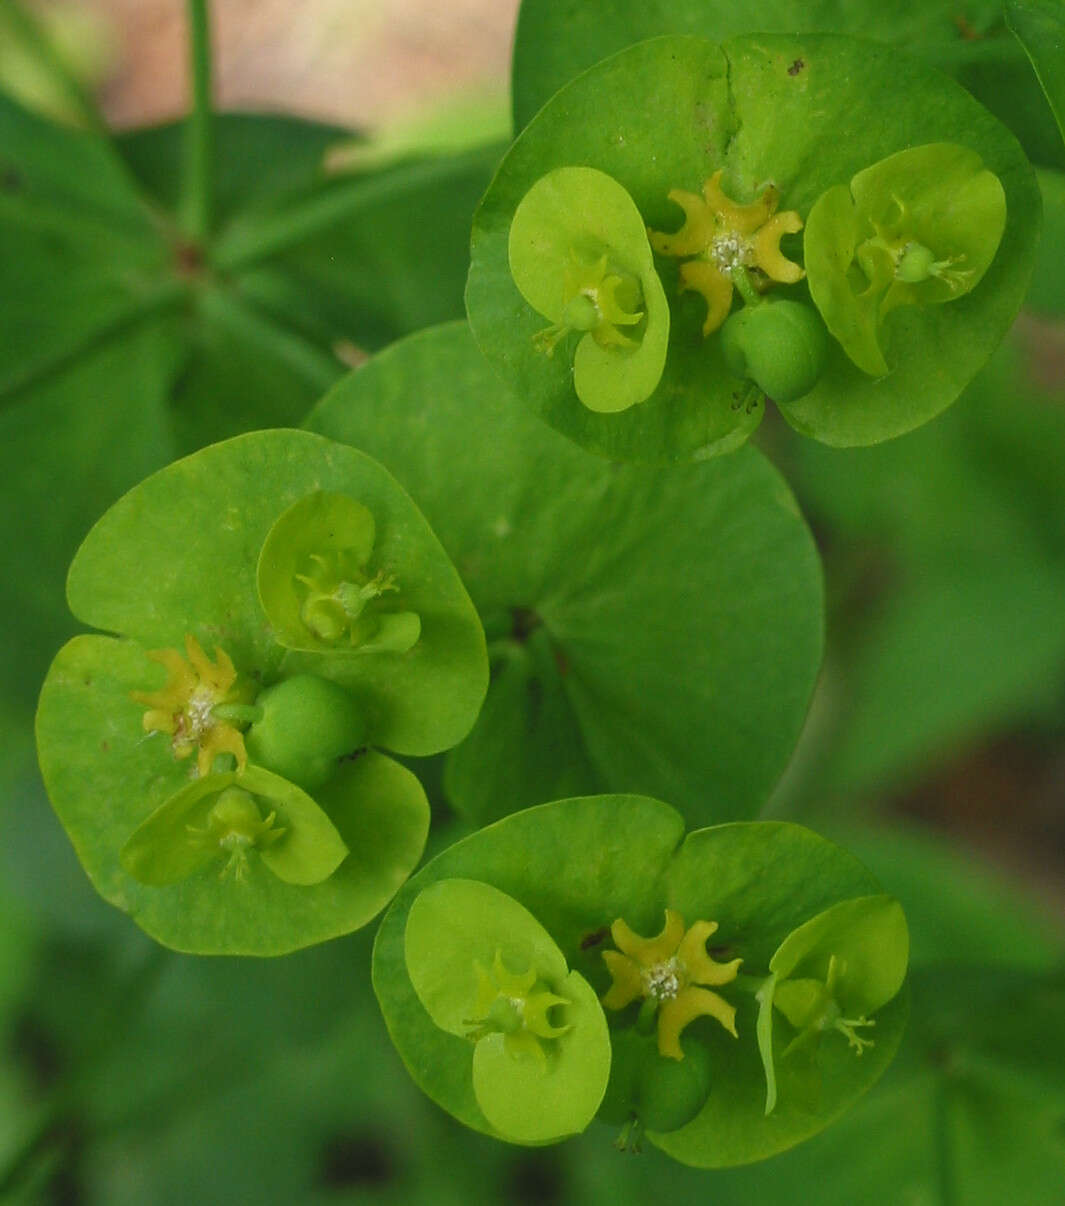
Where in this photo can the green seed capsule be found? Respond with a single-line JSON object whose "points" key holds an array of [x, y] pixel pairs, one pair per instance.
{"points": [[307, 723], [663, 1094], [781, 346]]}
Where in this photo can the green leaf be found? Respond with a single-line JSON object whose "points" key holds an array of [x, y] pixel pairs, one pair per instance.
{"points": [[81, 256], [1039, 26], [106, 780], [190, 537], [555, 42], [580, 865], [726, 105], [707, 594], [462, 936], [309, 849], [962, 522], [577, 235], [261, 160]]}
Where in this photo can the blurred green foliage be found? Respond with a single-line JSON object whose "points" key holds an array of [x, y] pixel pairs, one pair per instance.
{"points": [[131, 1074]]}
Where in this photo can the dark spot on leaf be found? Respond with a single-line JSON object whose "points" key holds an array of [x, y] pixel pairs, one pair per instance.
{"points": [[535, 1179], [595, 937], [561, 661], [105, 746], [523, 623], [363, 749], [796, 67], [188, 258], [10, 179], [358, 1158], [87, 682]]}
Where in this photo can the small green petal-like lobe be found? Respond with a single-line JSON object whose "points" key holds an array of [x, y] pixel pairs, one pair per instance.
{"points": [[579, 255], [320, 588], [540, 1067], [920, 227], [188, 833]]}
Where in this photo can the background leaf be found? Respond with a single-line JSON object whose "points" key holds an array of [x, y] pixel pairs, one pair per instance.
{"points": [[699, 615], [1040, 27]]}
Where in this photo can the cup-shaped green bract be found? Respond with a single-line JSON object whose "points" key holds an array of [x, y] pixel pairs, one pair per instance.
{"points": [[316, 585], [230, 817], [765, 112], [830, 976], [919, 228], [486, 970], [596, 872], [579, 254], [240, 745], [780, 346]]}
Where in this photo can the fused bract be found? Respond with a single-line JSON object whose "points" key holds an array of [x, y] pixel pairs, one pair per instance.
{"points": [[747, 149], [579, 254], [486, 970], [920, 227], [248, 809]]}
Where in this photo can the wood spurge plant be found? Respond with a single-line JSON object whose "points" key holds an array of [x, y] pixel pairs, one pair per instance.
{"points": [[522, 591]]}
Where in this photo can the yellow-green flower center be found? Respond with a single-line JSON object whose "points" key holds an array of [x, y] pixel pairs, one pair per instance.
{"points": [[673, 972], [184, 708], [516, 1006]]}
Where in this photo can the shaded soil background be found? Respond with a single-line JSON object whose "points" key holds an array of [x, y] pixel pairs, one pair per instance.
{"points": [[353, 62]]}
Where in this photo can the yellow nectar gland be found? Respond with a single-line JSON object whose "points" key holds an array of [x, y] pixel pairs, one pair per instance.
{"points": [[183, 709], [513, 1006], [724, 236], [673, 971]]}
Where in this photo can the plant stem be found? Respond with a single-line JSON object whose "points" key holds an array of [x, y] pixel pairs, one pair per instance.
{"points": [[247, 243], [197, 200], [745, 287]]}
